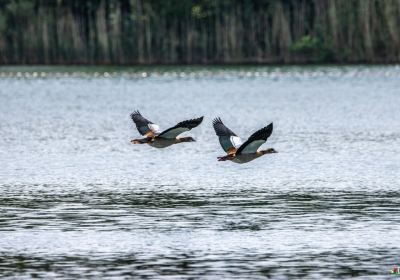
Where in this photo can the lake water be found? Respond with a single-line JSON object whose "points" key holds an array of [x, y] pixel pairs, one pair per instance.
{"points": [[77, 199]]}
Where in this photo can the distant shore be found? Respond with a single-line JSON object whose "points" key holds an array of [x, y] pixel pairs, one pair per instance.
{"points": [[176, 32]]}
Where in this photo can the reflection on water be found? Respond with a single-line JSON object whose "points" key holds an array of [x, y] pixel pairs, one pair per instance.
{"points": [[78, 200]]}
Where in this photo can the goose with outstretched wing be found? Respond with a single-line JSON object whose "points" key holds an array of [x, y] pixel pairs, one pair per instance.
{"points": [[236, 150], [161, 139]]}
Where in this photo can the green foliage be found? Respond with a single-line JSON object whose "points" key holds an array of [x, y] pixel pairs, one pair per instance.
{"points": [[198, 12], [306, 44], [20, 8], [313, 49]]}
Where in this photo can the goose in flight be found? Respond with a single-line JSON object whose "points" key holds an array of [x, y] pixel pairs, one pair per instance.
{"points": [[161, 139], [236, 150]]}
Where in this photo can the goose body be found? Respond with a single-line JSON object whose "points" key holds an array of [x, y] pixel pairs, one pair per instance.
{"points": [[162, 142], [237, 151], [162, 139], [243, 158]]}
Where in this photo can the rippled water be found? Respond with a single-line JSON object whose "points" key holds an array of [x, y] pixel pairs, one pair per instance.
{"points": [[78, 200]]}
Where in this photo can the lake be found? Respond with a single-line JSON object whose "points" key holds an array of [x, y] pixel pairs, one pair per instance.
{"points": [[77, 199]]}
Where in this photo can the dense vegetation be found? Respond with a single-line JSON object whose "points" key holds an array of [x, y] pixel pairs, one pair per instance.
{"points": [[199, 31]]}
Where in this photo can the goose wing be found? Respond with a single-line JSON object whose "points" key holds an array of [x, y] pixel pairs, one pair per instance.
{"points": [[143, 125], [256, 140], [227, 138], [181, 127]]}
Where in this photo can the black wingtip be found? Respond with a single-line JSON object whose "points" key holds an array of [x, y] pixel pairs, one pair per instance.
{"points": [[192, 123], [135, 113], [268, 130], [217, 120], [270, 127], [197, 121]]}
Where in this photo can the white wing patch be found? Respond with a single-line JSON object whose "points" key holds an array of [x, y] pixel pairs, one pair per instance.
{"points": [[253, 147], [155, 128], [236, 141]]}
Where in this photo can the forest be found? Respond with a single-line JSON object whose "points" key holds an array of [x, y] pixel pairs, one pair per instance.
{"points": [[131, 32]]}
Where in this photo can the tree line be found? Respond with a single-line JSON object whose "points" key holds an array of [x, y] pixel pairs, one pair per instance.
{"points": [[199, 31]]}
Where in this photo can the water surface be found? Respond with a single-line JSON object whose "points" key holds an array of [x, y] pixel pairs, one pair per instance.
{"points": [[78, 200]]}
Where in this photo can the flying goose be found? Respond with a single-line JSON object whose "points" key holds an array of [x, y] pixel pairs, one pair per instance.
{"points": [[236, 150], [161, 139]]}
